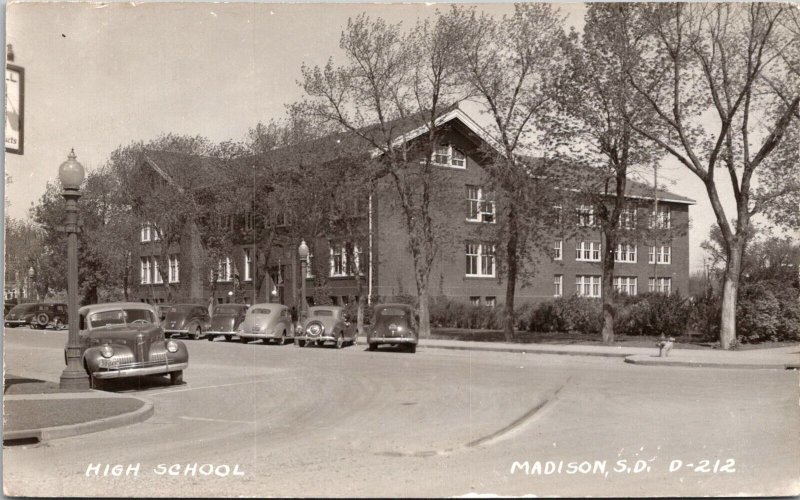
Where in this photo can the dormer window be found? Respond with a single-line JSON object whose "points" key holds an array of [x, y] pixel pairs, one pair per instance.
{"points": [[449, 156]]}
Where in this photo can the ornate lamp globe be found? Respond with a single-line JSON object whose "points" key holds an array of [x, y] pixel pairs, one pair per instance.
{"points": [[71, 172], [302, 251]]}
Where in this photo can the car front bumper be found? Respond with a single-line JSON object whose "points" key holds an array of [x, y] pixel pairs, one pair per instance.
{"points": [[221, 333], [16, 322], [139, 370], [392, 340], [258, 335]]}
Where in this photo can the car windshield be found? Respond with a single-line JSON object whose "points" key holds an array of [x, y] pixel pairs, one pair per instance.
{"points": [[392, 311], [322, 312], [119, 317], [227, 310], [22, 308], [261, 310]]}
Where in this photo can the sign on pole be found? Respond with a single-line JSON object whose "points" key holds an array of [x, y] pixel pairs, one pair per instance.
{"points": [[15, 108]]}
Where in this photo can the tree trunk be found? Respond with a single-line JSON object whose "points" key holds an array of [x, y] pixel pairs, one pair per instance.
{"points": [[607, 289], [511, 275], [730, 291], [424, 313], [360, 315]]}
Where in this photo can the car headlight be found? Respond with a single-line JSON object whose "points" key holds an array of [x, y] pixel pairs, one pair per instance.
{"points": [[172, 346], [106, 351]]}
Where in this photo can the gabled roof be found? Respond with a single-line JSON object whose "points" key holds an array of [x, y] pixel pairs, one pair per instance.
{"points": [[184, 170]]}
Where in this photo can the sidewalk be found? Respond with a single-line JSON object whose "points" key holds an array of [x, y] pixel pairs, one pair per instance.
{"points": [[35, 410], [779, 358]]}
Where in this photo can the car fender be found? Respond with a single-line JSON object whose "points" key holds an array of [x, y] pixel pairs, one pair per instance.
{"points": [[179, 356]]}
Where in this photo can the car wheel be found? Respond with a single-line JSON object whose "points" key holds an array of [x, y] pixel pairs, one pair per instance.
{"points": [[211, 338], [300, 343], [372, 347], [244, 340], [340, 341], [411, 348], [228, 338], [197, 333], [176, 378], [42, 320], [284, 340]]}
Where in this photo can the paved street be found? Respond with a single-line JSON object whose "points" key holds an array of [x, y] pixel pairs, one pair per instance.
{"points": [[319, 422]]}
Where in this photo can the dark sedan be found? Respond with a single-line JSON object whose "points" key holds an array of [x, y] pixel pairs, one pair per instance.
{"points": [[37, 315], [394, 324], [226, 320], [190, 320]]}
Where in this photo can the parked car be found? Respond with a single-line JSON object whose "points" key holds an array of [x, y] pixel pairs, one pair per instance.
{"points": [[162, 310], [38, 315], [269, 322], [326, 324], [191, 320], [226, 320], [125, 339], [394, 324]]}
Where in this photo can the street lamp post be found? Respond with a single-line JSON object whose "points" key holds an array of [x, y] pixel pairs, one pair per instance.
{"points": [[71, 173], [302, 252], [31, 287]]}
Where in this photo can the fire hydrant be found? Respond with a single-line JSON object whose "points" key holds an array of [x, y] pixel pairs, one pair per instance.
{"points": [[664, 346]]}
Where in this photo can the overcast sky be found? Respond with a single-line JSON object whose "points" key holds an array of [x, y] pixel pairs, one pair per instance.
{"points": [[102, 75]]}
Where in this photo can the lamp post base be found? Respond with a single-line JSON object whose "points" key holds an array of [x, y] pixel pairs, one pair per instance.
{"points": [[74, 380]]}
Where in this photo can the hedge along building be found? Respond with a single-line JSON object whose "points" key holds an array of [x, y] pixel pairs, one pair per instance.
{"points": [[375, 258]]}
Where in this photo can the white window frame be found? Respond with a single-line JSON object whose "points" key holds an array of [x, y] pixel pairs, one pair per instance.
{"points": [[174, 269], [627, 218], [490, 301], [484, 257], [586, 212], [588, 285], [626, 252], [156, 275], [558, 250], [445, 151], [475, 301], [663, 219], [477, 199], [588, 251], [558, 281], [663, 254], [248, 261], [145, 233], [664, 285], [340, 251], [144, 270], [627, 285], [248, 220]]}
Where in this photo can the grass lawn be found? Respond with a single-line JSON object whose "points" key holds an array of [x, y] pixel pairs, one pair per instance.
{"points": [[563, 338]]}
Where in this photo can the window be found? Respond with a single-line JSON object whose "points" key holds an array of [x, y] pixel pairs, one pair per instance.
{"points": [[625, 253], [174, 269], [224, 270], [588, 251], [337, 261], [480, 260], [248, 221], [491, 301], [146, 229], [558, 248], [248, 264], [626, 284], [587, 286], [660, 285], [475, 301], [447, 155], [558, 282], [662, 254], [627, 219], [145, 270], [661, 220], [156, 274], [479, 207], [585, 216]]}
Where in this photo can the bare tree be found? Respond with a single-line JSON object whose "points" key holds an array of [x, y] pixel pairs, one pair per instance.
{"points": [[728, 60], [390, 84], [511, 64]]}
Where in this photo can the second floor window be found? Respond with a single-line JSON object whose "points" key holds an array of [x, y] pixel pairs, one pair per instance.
{"points": [[146, 232], [587, 286], [145, 270], [558, 282], [625, 253], [558, 248], [661, 254], [248, 221], [585, 215], [174, 269], [480, 260], [345, 260], [480, 208], [248, 264], [627, 218], [626, 284], [447, 155], [587, 251], [337, 261], [156, 272], [224, 270], [662, 219]]}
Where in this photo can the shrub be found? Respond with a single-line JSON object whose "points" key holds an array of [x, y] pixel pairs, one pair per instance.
{"points": [[568, 314], [767, 311], [653, 314]]}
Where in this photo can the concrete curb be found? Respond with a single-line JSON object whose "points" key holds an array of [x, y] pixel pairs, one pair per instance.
{"points": [[647, 361], [48, 433], [527, 350]]}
